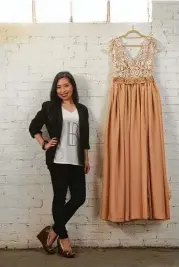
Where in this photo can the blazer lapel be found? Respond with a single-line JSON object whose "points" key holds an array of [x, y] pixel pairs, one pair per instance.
{"points": [[58, 120], [80, 118]]}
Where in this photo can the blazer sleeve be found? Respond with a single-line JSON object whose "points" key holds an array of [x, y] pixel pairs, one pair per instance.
{"points": [[38, 122], [86, 143]]}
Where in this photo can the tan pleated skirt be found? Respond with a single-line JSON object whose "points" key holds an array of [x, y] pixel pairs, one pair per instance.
{"points": [[134, 184]]}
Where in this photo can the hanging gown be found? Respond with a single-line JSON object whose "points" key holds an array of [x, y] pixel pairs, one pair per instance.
{"points": [[134, 184]]}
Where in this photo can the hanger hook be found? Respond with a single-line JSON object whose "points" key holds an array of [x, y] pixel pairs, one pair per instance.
{"points": [[132, 26]]}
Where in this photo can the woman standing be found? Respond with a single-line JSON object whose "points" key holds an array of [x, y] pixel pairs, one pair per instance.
{"points": [[67, 123]]}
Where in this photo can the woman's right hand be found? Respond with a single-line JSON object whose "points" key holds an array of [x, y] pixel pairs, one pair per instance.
{"points": [[51, 143]]}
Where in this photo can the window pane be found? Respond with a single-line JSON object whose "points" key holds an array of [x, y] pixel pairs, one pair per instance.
{"points": [[14, 11], [129, 10], [89, 10], [52, 10]]}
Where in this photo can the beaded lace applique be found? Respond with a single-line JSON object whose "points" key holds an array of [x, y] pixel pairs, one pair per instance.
{"points": [[125, 65]]}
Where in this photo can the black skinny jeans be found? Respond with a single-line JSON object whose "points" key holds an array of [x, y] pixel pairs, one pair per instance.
{"points": [[66, 176]]}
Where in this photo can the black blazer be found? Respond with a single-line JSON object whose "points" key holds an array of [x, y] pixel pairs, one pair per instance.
{"points": [[51, 116]]}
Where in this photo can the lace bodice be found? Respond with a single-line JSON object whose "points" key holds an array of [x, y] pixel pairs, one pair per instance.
{"points": [[125, 65]]}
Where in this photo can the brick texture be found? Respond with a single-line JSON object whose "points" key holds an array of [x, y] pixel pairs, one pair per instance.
{"points": [[30, 56]]}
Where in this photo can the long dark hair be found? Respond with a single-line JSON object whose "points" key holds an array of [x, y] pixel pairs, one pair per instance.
{"points": [[53, 94]]}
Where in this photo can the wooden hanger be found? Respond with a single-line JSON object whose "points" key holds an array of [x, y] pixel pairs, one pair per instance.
{"points": [[140, 35]]}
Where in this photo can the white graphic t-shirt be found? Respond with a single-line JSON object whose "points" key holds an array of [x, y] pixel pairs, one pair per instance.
{"points": [[67, 150]]}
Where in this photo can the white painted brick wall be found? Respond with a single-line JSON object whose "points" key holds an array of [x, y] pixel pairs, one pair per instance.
{"points": [[30, 56]]}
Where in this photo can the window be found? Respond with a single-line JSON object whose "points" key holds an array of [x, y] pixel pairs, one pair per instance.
{"points": [[15, 11], [89, 10], [129, 10], [52, 10], [47, 11]]}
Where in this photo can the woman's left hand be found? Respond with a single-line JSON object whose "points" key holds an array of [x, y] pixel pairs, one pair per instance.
{"points": [[87, 166]]}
